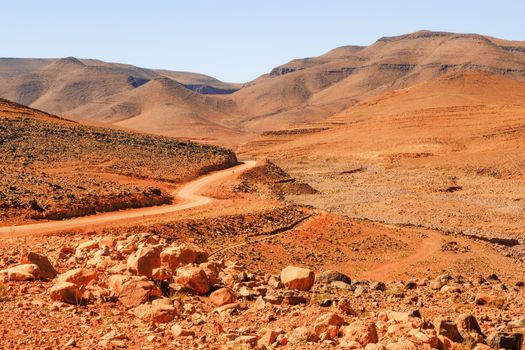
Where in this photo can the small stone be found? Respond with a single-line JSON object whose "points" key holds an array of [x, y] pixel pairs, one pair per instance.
{"points": [[222, 297], [330, 276], [178, 331]]}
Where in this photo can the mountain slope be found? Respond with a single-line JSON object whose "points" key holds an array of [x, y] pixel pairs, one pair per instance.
{"points": [[446, 154], [327, 84]]}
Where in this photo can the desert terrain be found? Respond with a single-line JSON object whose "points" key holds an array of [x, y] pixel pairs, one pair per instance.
{"points": [[367, 198]]}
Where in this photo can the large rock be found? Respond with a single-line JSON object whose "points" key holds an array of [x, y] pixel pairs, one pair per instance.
{"points": [[158, 313], [327, 277], [65, 292], [483, 298], [297, 278], [448, 329], [222, 297], [212, 270], [302, 335], [467, 324], [80, 276], [25, 272], [326, 326], [186, 253], [178, 331], [193, 278], [505, 340], [115, 283], [87, 245], [135, 292], [144, 260], [363, 333], [47, 271]]}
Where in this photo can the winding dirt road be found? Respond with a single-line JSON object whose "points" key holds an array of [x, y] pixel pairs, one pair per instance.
{"points": [[189, 196]]}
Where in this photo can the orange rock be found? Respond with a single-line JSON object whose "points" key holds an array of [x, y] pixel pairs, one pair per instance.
{"points": [[184, 254], [155, 313], [222, 297], [25, 272], [136, 292], [144, 260], [178, 331], [65, 292], [80, 276], [194, 278], [47, 271], [297, 278], [115, 283], [364, 333]]}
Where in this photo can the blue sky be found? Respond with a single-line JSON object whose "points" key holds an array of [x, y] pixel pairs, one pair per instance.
{"points": [[233, 40]]}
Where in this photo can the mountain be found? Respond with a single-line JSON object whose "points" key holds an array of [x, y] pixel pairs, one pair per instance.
{"points": [[315, 88], [300, 92]]}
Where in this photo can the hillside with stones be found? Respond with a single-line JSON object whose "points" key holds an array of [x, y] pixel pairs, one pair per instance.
{"points": [[53, 168]]}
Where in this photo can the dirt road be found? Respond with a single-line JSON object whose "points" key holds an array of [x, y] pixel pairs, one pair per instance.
{"points": [[188, 195]]}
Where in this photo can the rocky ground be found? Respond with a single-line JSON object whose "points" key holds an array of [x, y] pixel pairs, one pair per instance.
{"points": [[139, 291], [225, 282]]}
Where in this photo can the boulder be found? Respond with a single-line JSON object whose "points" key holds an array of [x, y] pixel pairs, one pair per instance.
{"points": [[178, 331], [302, 335], [362, 332], [65, 292], [161, 273], [80, 276], [87, 245], [155, 313], [25, 272], [186, 253], [115, 283], [483, 298], [468, 324], [326, 326], [212, 270], [47, 271], [448, 329], [193, 278], [136, 292], [505, 340], [327, 277], [297, 278], [144, 260], [222, 297]]}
